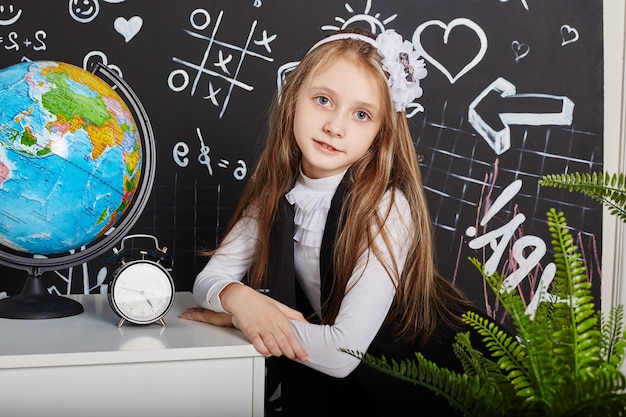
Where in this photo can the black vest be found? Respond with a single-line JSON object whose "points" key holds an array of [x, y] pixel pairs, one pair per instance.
{"points": [[365, 392]]}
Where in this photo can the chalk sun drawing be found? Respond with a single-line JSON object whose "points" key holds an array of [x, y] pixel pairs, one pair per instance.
{"points": [[376, 25], [524, 3]]}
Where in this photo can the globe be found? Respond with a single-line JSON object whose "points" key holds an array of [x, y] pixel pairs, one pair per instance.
{"points": [[70, 157], [73, 157]]}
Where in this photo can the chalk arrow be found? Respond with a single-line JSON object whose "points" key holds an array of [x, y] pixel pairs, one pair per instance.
{"points": [[514, 109]]}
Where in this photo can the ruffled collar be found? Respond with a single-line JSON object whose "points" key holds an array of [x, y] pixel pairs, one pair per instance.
{"points": [[311, 199]]}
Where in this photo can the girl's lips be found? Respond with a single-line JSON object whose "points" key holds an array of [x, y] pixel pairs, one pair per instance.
{"points": [[325, 147]]}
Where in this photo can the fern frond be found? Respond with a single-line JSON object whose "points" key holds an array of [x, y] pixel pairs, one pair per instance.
{"points": [[487, 371], [608, 404], [474, 362], [606, 188], [535, 341], [577, 341], [613, 337], [465, 393], [511, 355], [511, 301]]}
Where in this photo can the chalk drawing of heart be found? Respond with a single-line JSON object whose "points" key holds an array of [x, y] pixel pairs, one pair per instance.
{"points": [[128, 28], [568, 35], [520, 50], [446, 34]]}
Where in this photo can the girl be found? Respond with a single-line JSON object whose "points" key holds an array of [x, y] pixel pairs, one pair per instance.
{"points": [[333, 238]]}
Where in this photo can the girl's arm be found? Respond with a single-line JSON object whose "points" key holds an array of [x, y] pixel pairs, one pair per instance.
{"points": [[228, 265], [218, 288]]}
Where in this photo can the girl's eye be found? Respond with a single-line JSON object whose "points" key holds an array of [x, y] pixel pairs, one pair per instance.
{"points": [[362, 115], [324, 101]]}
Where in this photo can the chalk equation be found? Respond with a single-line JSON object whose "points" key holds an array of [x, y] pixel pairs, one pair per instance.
{"points": [[13, 41], [181, 151], [223, 68]]}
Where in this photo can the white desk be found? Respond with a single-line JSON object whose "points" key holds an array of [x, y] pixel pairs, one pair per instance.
{"points": [[85, 365]]}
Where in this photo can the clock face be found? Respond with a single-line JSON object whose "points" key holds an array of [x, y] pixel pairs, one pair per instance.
{"points": [[141, 292]]}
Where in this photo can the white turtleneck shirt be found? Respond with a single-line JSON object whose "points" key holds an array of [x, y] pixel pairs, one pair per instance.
{"points": [[371, 289]]}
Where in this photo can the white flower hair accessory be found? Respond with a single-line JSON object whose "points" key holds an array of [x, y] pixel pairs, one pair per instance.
{"points": [[405, 68], [399, 59]]}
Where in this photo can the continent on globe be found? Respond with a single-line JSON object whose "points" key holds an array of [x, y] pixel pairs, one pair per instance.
{"points": [[70, 157]]}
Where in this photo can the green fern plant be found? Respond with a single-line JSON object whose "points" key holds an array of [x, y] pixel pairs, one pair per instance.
{"points": [[564, 361], [606, 188]]}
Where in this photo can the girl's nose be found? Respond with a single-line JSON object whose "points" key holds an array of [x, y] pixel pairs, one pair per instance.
{"points": [[334, 127]]}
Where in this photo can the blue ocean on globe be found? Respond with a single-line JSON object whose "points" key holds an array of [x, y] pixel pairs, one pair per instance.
{"points": [[70, 157]]}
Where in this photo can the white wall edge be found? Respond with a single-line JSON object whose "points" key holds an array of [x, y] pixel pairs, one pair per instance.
{"points": [[613, 290]]}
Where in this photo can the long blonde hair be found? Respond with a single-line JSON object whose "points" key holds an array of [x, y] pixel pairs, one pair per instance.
{"points": [[423, 297]]}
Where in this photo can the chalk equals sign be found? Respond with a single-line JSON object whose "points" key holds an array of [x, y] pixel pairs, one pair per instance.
{"points": [[498, 106]]}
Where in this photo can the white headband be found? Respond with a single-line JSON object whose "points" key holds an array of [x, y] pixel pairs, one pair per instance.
{"points": [[399, 59], [338, 36]]}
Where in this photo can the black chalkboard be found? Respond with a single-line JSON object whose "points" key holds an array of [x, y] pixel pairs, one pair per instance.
{"points": [[514, 91]]}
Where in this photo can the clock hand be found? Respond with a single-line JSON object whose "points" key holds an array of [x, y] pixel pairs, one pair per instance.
{"points": [[147, 299], [142, 292], [130, 289]]}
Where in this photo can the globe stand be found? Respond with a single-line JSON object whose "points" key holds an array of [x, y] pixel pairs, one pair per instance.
{"points": [[35, 302]]}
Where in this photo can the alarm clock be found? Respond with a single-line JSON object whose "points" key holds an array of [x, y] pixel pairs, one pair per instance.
{"points": [[141, 290]]}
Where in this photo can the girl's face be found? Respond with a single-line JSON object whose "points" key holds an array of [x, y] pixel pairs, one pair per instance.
{"points": [[338, 115]]}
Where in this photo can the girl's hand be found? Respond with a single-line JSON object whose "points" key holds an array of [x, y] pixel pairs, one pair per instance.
{"points": [[207, 316], [264, 321]]}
